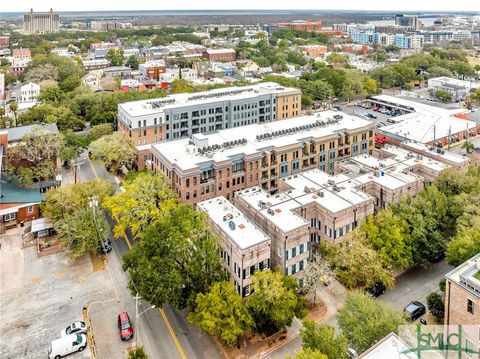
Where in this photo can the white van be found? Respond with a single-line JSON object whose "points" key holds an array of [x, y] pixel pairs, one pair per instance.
{"points": [[67, 345]]}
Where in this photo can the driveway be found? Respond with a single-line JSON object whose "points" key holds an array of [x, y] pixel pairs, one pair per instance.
{"points": [[42, 295], [415, 284]]}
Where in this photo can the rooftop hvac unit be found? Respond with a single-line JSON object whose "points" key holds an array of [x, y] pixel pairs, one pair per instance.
{"points": [[362, 171], [231, 224], [225, 218], [270, 211], [330, 182], [320, 194], [376, 174], [262, 204], [336, 188], [306, 189]]}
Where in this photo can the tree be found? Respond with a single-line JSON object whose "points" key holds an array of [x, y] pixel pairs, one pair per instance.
{"points": [[116, 150], [355, 264], [80, 232], [221, 311], [70, 83], [273, 304], [132, 62], [71, 198], [14, 107], [317, 273], [52, 94], [137, 353], [443, 95], [468, 146], [176, 259], [115, 56], [51, 113], [322, 338], [309, 354], [464, 245], [34, 157], [436, 306], [364, 320], [146, 198], [98, 131], [388, 234]]}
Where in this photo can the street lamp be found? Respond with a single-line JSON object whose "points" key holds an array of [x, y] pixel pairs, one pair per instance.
{"points": [[137, 315]]}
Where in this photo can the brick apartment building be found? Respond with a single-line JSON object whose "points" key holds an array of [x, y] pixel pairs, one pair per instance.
{"points": [[462, 294], [152, 69], [183, 115], [4, 41], [245, 248], [226, 55], [310, 26], [261, 154]]}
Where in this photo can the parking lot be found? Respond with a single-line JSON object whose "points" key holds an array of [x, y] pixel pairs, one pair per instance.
{"points": [[42, 295], [379, 118]]}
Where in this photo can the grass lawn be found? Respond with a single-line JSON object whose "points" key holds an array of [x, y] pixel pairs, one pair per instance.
{"points": [[474, 61], [477, 275]]}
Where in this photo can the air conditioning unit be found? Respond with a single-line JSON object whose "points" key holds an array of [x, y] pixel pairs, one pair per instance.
{"points": [[231, 224], [306, 189], [320, 194]]}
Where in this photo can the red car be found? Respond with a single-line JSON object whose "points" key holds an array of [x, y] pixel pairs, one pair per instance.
{"points": [[125, 326]]}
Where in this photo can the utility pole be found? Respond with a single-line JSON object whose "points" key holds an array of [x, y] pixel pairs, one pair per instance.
{"points": [[137, 315]]}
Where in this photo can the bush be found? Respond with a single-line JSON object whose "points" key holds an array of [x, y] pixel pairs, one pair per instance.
{"points": [[436, 306]]}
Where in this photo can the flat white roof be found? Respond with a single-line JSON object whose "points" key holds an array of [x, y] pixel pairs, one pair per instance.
{"points": [[389, 347], [153, 106], [245, 234], [278, 209], [446, 155], [187, 156], [426, 123]]}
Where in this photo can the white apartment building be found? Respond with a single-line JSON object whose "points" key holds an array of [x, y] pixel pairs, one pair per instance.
{"points": [[183, 115], [29, 93]]}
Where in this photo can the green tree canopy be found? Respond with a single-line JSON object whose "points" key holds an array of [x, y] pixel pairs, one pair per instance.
{"points": [[464, 245], [146, 198], [322, 338], [176, 259], [115, 150], [364, 320], [274, 302], [221, 311], [389, 235]]}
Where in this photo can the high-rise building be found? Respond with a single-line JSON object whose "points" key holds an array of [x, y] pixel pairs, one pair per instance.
{"points": [[407, 21], [41, 23]]}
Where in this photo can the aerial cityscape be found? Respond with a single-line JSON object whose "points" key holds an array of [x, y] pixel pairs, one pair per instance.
{"points": [[239, 180]]}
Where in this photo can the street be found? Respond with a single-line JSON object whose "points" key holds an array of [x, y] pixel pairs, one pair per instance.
{"points": [[165, 333]]}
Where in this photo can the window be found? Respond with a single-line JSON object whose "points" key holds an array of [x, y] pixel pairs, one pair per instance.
{"points": [[30, 209], [10, 217], [187, 182], [470, 306]]}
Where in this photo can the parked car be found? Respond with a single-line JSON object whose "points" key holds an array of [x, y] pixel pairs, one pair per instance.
{"points": [[66, 345], [106, 247], [376, 290], [414, 310], [371, 115], [125, 326], [352, 353], [74, 328]]}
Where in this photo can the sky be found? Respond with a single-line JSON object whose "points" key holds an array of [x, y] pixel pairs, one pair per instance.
{"points": [[89, 5]]}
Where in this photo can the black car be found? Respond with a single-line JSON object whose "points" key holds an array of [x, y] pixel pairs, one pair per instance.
{"points": [[106, 247], [371, 115], [376, 290], [414, 310]]}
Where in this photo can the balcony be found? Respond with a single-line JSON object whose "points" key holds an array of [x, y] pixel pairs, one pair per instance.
{"points": [[264, 179], [265, 165], [273, 163], [206, 180]]}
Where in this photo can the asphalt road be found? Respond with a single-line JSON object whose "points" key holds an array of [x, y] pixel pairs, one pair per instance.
{"points": [[164, 333]]}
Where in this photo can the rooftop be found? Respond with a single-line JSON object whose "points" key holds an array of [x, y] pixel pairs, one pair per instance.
{"points": [[233, 223], [425, 123], [11, 194], [252, 139], [390, 346], [466, 275], [277, 209], [17, 133], [146, 107]]}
